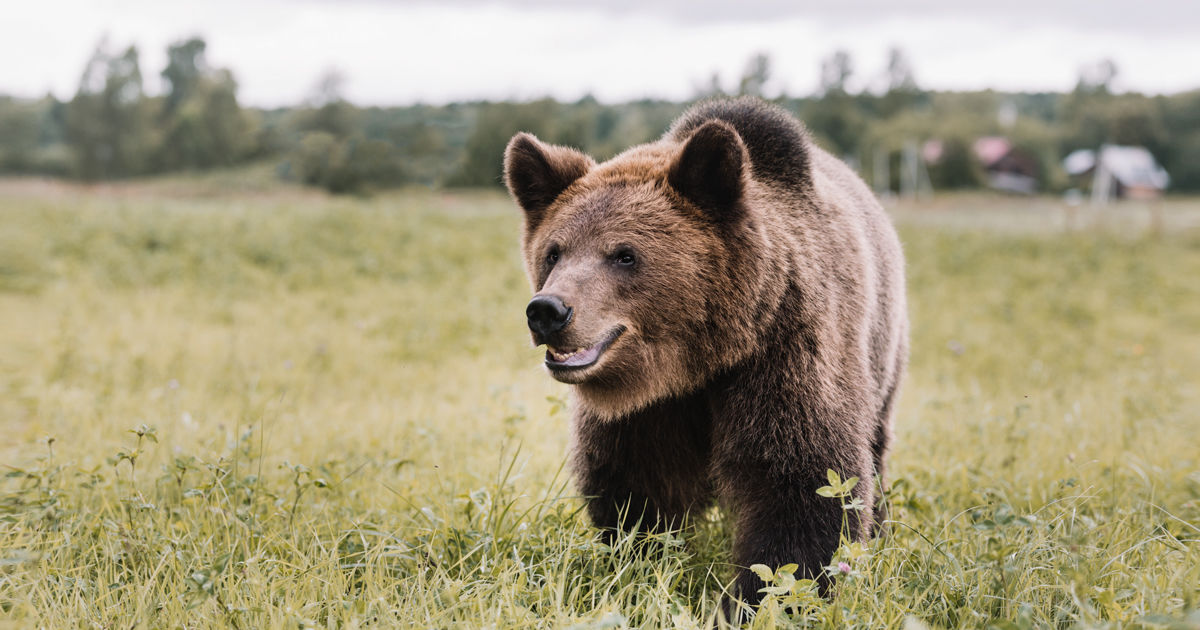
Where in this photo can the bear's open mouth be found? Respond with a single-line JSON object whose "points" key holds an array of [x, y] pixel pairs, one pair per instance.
{"points": [[557, 359]]}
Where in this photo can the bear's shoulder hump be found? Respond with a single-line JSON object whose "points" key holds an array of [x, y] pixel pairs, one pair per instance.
{"points": [[776, 141]]}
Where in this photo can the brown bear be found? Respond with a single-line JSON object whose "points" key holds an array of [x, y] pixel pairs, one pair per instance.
{"points": [[728, 304]]}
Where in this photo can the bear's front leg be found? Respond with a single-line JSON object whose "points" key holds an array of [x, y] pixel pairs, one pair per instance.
{"points": [[781, 520], [648, 468], [768, 467]]}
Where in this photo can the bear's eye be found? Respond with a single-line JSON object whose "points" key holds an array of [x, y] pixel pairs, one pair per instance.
{"points": [[624, 258], [552, 257]]}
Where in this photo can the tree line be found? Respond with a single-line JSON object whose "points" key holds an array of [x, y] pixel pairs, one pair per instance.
{"points": [[112, 128]]}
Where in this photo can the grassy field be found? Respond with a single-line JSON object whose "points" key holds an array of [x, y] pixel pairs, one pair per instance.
{"points": [[230, 406]]}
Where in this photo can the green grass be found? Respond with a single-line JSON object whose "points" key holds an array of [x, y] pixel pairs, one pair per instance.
{"points": [[275, 409]]}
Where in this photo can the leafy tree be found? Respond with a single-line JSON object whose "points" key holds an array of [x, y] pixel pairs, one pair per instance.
{"points": [[1183, 163], [208, 129], [1137, 121], [482, 163], [109, 126], [1181, 156], [203, 124], [353, 165], [313, 159], [957, 167], [834, 117], [836, 121], [328, 110], [186, 68], [1087, 111], [19, 130]]}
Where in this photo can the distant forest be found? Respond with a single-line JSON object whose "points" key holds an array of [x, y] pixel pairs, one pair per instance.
{"points": [[113, 129]]}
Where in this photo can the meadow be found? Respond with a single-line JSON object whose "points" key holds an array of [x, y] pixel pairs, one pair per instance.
{"points": [[234, 405]]}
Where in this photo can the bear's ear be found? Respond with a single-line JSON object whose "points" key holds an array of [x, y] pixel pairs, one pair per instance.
{"points": [[536, 173], [708, 170]]}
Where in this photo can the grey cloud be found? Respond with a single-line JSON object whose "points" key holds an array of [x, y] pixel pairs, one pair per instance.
{"points": [[1140, 18]]}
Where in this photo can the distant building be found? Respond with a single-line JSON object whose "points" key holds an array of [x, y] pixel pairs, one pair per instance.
{"points": [[1120, 172], [1007, 168]]}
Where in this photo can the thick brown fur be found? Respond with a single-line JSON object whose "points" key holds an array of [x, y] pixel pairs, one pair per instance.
{"points": [[751, 291]]}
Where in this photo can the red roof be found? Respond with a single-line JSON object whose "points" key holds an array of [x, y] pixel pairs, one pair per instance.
{"points": [[991, 149]]}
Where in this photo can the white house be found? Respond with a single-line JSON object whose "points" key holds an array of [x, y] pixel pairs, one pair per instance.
{"points": [[1119, 171]]}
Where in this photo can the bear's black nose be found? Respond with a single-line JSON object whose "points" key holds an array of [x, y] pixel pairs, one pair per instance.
{"points": [[547, 315]]}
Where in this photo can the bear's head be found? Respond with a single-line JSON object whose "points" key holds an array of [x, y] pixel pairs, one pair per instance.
{"points": [[648, 269]]}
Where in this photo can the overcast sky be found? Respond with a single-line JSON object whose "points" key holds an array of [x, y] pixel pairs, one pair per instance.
{"points": [[397, 52]]}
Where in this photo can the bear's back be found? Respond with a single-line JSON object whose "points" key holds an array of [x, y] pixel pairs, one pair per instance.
{"points": [[777, 142]]}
